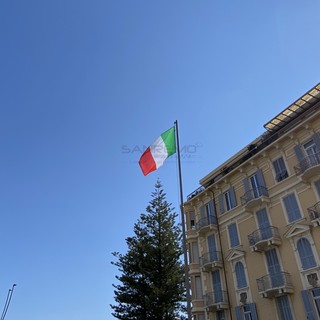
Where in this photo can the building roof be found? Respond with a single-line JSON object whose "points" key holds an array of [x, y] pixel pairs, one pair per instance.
{"points": [[295, 109]]}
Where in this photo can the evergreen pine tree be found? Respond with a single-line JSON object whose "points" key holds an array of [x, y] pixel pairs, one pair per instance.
{"points": [[152, 275]]}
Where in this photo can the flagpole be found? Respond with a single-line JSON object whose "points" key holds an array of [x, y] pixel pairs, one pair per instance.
{"points": [[184, 239]]}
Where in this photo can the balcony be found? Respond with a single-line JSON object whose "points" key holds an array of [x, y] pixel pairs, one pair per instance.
{"points": [[308, 167], [314, 214], [255, 197], [262, 239], [206, 224], [217, 300], [197, 305], [210, 261], [275, 285]]}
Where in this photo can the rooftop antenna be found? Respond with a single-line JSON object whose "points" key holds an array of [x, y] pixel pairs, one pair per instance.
{"points": [[8, 300]]}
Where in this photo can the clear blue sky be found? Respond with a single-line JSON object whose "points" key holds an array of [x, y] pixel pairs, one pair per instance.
{"points": [[85, 85]]}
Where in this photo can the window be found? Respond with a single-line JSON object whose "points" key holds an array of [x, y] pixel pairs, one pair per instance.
{"points": [[198, 285], [217, 288], [233, 235], [305, 253], [192, 221], [227, 200], [220, 315], [264, 224], [274, 268], [284, 310], [207, 213], [194, 257], [316, 297], [292, 208], [213, 254], [317, 184], [311, 302], [312, 152], [254, 186], [240, 275], [280, 169], [247, 312], [309, 153]]}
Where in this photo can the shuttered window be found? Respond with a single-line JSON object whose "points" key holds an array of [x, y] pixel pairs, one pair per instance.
{"points": [[195, 253], [305, 253], [247, 312], [292, 208], [227, 200], [308, 305], [240, 275], [280, 169], [198, 285], [317, 184], [284, 309], [208, 213], [233, 235]]}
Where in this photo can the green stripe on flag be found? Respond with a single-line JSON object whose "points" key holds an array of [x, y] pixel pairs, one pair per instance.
{"points": [[169, 140]]}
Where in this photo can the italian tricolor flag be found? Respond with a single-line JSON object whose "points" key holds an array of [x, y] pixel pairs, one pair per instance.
{"points": [[155, 155]]}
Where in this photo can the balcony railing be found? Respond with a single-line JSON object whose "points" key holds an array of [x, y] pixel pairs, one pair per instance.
{"points": [[254, 194], [206, 222], [263, 238], [308, 162], [211, 260], [314, 211], [195, 193], [272, 285], [216, 300]]}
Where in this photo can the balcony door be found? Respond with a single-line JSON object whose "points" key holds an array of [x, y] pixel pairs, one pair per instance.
{"points": [[312, 152], [213, 256], [255, 186], [216, 284], [264, 224], [274, 268]]}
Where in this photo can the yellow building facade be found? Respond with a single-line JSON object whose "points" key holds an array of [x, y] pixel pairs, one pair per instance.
{"points": [[253, 226]]}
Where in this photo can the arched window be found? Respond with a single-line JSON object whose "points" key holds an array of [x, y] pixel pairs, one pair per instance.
{"points": [[306, 254], [240, 275]]}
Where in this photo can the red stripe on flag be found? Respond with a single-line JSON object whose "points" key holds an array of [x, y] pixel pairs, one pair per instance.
{"points": [[146, 162]]}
